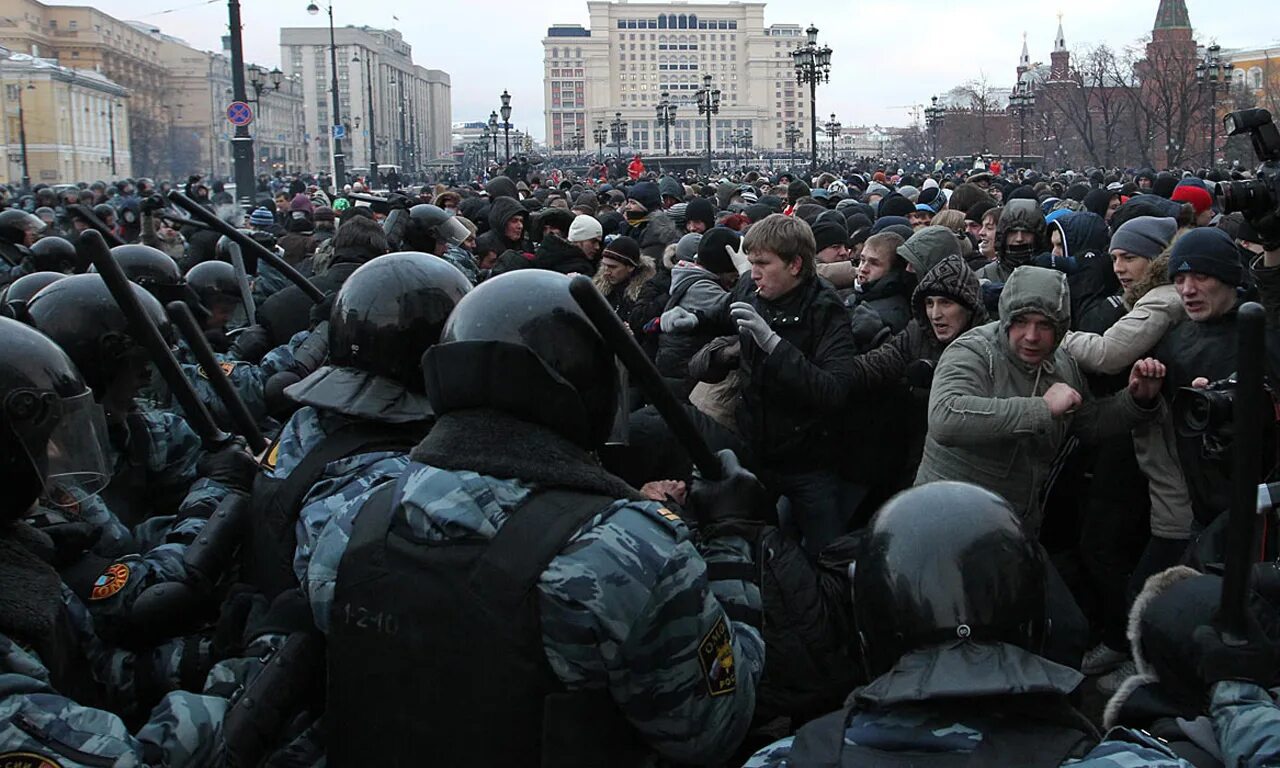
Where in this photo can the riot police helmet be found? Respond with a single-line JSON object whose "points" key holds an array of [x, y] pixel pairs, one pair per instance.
{"points": [[214, 282], [946, 562], [81, 316], [520, 344], [52, 434], [156, 272], [385, 316], [57, 254], [14, 297], [432, 222], [16, 226]]}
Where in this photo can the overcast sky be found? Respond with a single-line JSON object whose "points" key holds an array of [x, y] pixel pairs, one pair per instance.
{"points": [[886, 52]]}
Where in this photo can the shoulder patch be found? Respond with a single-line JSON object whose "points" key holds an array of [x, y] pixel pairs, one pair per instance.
{"points": [[715, 653], [269, 458], [227, 368], [27, 760], [110, 582], [669, 516]]}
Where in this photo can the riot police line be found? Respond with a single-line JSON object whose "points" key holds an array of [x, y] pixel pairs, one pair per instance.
{"points": [[427, 562]]}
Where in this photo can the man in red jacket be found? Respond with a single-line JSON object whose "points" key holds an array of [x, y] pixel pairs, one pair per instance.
{"points": [[636, 169]]}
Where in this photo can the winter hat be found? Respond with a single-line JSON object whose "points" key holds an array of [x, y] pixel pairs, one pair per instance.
{"points": [[679, 214], [931, 197], [584, 228], [301, 202], [828, 233], [646, 193], [261, 217], [928, 246], [875, 188], [624, 249], [687, 248], [1199, 197], [758, 211], [711, 253], [1098, 200], [978, 210], [809, 212], [701, 209], [669, 187], [796, 190], [323, 213], [1207, 251], [884, 222], [895, 205], [1145, 236]]}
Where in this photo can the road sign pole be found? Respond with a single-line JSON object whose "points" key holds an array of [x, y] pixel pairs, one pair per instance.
{"points": [[242, 142]]}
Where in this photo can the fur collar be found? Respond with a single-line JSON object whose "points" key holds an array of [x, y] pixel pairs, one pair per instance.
{"points": [[1157, 275], [30, 589]]}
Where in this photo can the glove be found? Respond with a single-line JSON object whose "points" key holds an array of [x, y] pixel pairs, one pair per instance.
{"points": [[251, 344], [678, 319], [739, 258], [312, 352], [1267, 226], [750, 322], [231, 466], [71, 540], [241, 607], [737, 497], [1254, 662], [290, 612]]}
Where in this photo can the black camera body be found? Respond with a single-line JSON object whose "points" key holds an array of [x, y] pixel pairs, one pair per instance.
{"points": [[1256, 198]]}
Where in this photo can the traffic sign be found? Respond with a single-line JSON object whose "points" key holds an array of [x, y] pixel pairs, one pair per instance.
{"points": [[339, 131], [239, 113]]}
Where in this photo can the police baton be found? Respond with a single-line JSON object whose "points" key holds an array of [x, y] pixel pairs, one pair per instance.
{"points": [[88, 215], [624, 345], [1242, 525], [202, 214], [181, 316], [145, 331], [242, 280]]}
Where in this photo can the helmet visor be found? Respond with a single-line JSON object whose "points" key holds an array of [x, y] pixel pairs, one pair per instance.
{"points": [[77, 452]]}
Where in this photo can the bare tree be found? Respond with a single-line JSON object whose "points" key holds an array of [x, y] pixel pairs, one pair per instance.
{"points": [[978, 98], [1160, 86], [1091, 104]]}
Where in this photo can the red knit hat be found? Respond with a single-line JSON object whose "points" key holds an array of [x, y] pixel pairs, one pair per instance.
{"points": [[1200, 199]]}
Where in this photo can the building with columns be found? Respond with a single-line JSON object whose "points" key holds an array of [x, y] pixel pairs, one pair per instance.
{"points": [[630, 53], [395, 112]]}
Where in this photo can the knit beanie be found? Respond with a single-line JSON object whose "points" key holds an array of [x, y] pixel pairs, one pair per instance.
{"points": [[584, 228], [757, 211], [1207, 251], [828, 233], [796, 190], [1199, 198], [711, 253], [701, 209], [895, 205], [884, 222], [261, 217], [687, 248], [1145, 236], [646, 193], [623, 249]]}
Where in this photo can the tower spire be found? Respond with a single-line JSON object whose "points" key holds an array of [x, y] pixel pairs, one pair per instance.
{"points": [[1060, 42], [1173, 15], [1024, 61]]}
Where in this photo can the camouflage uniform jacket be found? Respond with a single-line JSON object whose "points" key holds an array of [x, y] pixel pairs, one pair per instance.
{"points": [[41, 727], [329, 502], [1246, 720], [625, 607], [458, 257], [248, 380]]}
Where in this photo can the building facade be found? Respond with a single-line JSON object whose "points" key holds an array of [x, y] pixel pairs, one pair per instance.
{"points": [[394, 111], [67, 124], [631, 53]]}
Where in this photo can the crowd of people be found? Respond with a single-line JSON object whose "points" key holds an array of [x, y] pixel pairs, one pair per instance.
{"points": [[968, 506]]}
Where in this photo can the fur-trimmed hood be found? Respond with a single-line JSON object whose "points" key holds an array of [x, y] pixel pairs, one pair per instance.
{"points": [[1157, 275], [645, 272]]}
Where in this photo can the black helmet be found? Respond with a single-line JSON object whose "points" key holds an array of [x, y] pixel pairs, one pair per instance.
{"points": [[519, 343], [157, 272], [214, 282], [946, 561], [15, 224], [103, 211], [51, 430], [57, 254], [387, 313], [80, 315], [431, 223], [14, 297]]}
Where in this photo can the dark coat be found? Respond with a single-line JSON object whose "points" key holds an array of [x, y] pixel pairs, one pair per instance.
{"points": [[881, 309]]}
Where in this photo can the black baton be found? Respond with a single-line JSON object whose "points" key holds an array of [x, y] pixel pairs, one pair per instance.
{"points": [[646, 375], [149, 336], [181, 316], [1242, 526], [208, 217], [88, 215]]}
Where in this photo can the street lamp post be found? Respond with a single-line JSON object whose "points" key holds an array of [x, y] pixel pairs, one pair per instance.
{"points": [[833, 132], [493, 134], [506, 122], [111, 131], [22, 139], [793, 135], [1212, 76], [666, 118], [813, 65], [619, 128], [339, 160], [484, 146], [241, 141], [371, 141], [934, 117], [1022, 101], [600, 135], [708, 104]]}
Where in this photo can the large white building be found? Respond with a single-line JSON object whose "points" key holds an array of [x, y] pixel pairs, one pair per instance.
{"points": [[410, 104], [632, 52]]}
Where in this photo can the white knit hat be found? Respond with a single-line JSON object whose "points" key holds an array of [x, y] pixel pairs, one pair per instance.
{"points": [[584, 228]]}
